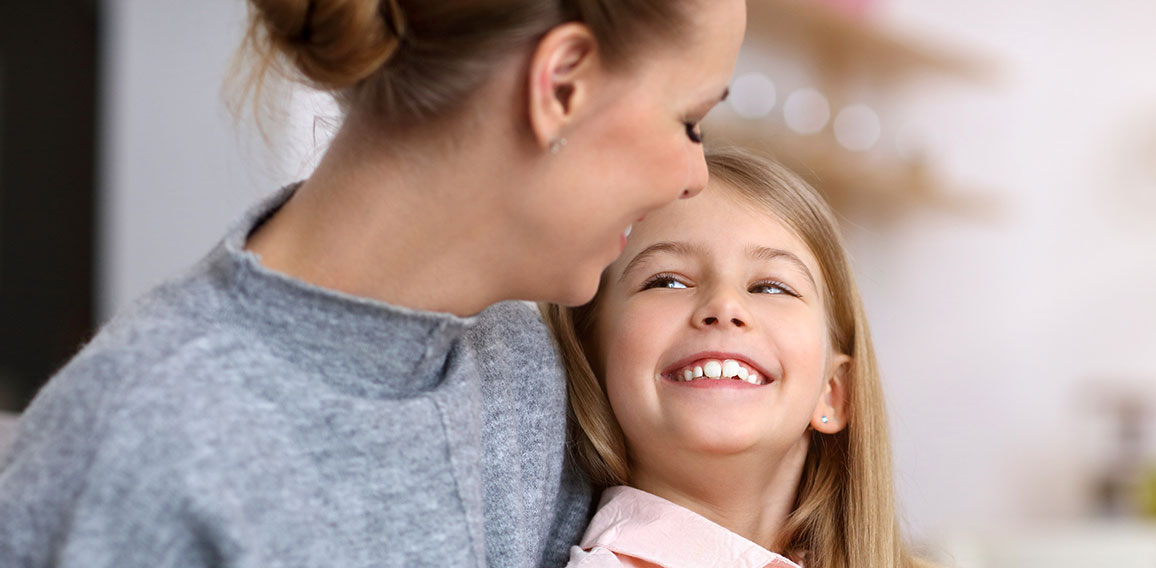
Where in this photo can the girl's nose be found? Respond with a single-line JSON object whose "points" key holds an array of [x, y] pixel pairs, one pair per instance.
{"points": [[711, 320], [722, 310]]}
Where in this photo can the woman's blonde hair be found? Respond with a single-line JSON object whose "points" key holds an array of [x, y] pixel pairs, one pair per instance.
{"points": [[412, 60], [845, 511]]}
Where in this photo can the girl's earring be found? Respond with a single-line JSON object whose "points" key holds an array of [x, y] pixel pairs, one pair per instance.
{"points": [[824, 420], [557, 144]]}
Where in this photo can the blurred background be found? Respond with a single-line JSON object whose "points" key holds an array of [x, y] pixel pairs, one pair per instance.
{"points": [[994, 164]]}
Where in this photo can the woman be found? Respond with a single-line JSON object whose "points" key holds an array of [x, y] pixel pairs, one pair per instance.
{"points": [[339, 382]]}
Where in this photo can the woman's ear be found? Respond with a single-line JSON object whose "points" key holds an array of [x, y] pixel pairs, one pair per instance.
{"points": [[562, 70], [831, 414]]}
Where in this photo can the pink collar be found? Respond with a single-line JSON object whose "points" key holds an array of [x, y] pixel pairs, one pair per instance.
{"points": [[632, 522]]}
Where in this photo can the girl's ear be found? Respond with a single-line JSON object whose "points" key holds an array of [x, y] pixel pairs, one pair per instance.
{"points": [[563, 68], [830, 414]]}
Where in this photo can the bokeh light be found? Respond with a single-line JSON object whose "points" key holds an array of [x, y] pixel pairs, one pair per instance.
{"points": [[806, 111], [752, 95]]}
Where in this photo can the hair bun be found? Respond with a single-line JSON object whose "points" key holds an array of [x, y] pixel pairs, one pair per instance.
{"points": [[411, 60], [333, 43]]}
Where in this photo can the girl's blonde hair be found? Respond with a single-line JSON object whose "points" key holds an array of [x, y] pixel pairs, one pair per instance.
{"points": [[845, 511], [415, 60]]}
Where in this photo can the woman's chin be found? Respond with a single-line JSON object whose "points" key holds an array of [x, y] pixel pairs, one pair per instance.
{"points": [[577, 297], [581, 288]]}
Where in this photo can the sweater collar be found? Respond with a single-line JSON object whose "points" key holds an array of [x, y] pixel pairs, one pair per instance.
{"points": [[343, 337]]}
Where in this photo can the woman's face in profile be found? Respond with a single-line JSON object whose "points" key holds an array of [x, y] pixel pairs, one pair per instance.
{"points": [[643, 149]]}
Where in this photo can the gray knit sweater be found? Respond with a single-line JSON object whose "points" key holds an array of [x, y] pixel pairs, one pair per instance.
{"points": [[238, 417]]}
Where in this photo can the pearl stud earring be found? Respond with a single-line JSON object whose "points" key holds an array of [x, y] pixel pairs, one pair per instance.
{"points": [[557, 145]]}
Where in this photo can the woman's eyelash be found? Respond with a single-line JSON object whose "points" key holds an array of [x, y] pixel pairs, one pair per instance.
{"points": [[694, 132], [758, 287], [663, 281]]}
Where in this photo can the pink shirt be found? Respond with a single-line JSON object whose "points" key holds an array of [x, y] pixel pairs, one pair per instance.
{"points": [[633, 524]]}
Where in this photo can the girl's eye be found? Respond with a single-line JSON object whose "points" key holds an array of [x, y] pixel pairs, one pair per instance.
{"points": [[693, 132], [663, 281], [772, 287]]}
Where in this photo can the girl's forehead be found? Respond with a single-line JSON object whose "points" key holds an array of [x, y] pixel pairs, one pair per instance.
{"points": [[721, 221]]}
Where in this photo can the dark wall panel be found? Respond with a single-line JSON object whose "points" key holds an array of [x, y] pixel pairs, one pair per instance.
{"points": [[48, 54]]}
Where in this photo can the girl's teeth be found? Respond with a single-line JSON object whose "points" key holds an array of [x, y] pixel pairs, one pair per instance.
{"points": [[724, 369], [627, 231]]}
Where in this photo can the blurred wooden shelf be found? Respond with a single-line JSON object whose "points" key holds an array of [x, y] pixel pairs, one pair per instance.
{"points": [[850, 57], [861, 181], [844, 39]]}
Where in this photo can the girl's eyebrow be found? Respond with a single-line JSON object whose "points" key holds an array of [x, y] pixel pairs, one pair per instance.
{"points": [[768, 254], [670, 247]]}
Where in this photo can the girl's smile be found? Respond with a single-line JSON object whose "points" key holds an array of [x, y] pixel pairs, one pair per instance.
{"points": [[705, 370]]}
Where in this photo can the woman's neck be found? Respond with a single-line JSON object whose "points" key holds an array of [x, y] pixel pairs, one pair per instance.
{"points": [[748, 494], [414, 228]]}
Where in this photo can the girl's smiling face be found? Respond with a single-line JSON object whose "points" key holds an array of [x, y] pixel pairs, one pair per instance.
{"points": [[720, 284]]}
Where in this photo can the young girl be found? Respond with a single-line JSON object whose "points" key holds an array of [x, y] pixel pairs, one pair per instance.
{"points": [[726, 389]]}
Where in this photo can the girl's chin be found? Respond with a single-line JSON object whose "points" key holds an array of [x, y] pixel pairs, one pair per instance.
{"points": [[710, 441], [731, 435]]}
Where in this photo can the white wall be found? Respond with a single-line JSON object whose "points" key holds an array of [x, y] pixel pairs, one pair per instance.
{"points": [[176, 168], [997, 339]]}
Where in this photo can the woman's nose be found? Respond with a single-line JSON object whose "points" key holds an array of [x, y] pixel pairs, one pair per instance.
{"points": [[696, 176]]}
